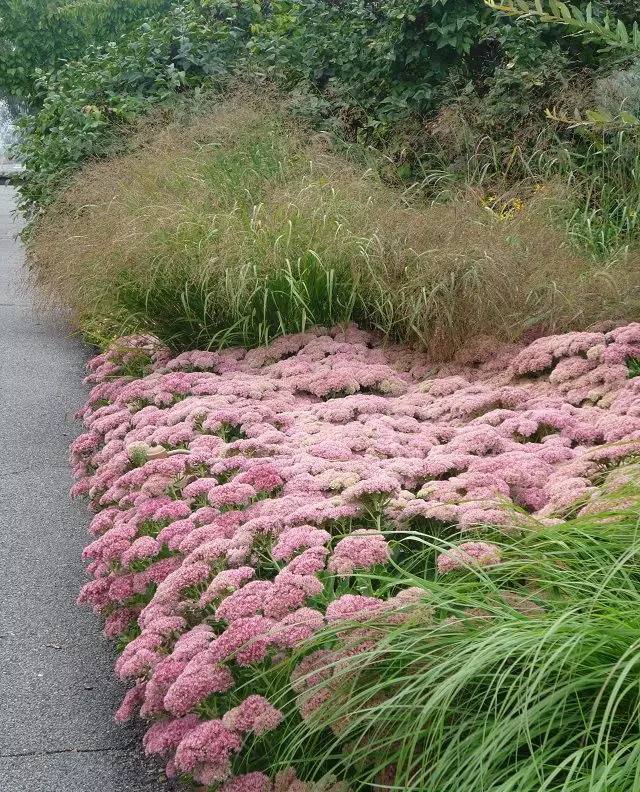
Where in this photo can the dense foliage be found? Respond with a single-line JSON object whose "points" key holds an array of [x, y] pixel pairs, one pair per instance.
{"points": [[373, 72], [381, 60], [85, 103], [324, 555], [39, 35], [210, 252], [503, 684]]}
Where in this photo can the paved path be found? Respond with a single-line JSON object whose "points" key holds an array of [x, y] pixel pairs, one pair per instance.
{"points": [[58, 692]]}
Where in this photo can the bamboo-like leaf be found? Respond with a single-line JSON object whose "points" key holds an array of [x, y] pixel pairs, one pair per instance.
{"points": [[578, 15], [622, 32], [613, 33], [629, 118], [564, 12]]}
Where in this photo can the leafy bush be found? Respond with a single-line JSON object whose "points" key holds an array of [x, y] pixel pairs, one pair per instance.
{"points": [[86, 103], [39, 35], [382, 59]]}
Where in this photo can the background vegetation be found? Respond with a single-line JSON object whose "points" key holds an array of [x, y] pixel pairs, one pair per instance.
{"points": [[40, 35], [488, 212]]}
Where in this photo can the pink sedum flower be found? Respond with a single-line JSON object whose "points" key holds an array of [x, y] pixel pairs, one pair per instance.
{"points": [[353, 607], [251, 782], [193, 686], [131, 703], [167, 734], [205, 751], [365, 549], [297, 627], [294, 539], [255, 715], [226, 582], [290, 444], [231, 494], [467, 555], [144, 547]]}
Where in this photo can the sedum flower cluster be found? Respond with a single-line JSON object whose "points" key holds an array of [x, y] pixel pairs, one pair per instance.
{"points": [[213, 560]]}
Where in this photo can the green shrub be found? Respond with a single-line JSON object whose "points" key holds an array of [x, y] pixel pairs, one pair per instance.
{"points": [[383, 59], [86, 103], [373, 72], [39, 35]]}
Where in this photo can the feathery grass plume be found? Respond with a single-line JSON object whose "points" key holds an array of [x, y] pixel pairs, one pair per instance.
{"points": [[242, 226]]}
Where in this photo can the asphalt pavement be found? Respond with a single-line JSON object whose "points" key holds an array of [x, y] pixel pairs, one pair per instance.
{"points": [[58, 692]]}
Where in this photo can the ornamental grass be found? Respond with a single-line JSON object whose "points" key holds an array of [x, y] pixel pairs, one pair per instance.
{"points": [[235, 224]]}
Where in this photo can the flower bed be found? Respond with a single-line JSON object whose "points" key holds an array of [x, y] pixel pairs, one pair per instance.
{"points": [[285, 470]]}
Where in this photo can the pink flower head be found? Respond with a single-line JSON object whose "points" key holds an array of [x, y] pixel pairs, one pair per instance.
{"points": [[288, 781], [309, 704], [376, 485], [309, 562], [166, 625], [226, 582], [297, 627], [193, 686], [255, 714], [206, 750], [468, 554], [246, 601], [231, 494], [364, 549], [313, 670], [170, 590], [166, 734], [263, 477], [132, 701], [138, 664], [353, 607], [191, 643], [119, 621], [294, 539], [246, 640], [144, 547], [251, 782], [289, 593]]}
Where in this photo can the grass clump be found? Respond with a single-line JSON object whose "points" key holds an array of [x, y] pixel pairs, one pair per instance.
{"points": [[237, 225], [196, 235], [519, 677]]}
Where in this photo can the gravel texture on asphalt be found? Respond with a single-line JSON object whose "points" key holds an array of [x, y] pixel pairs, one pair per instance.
{"points": [[58, 693]]}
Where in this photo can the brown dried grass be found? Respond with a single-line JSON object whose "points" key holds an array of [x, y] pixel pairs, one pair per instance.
{"points": [[234, 194]]}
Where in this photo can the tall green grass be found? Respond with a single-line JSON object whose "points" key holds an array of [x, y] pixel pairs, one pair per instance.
{"points": [[245, 307], [596, 174], [604, 179], [535, 692]]}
